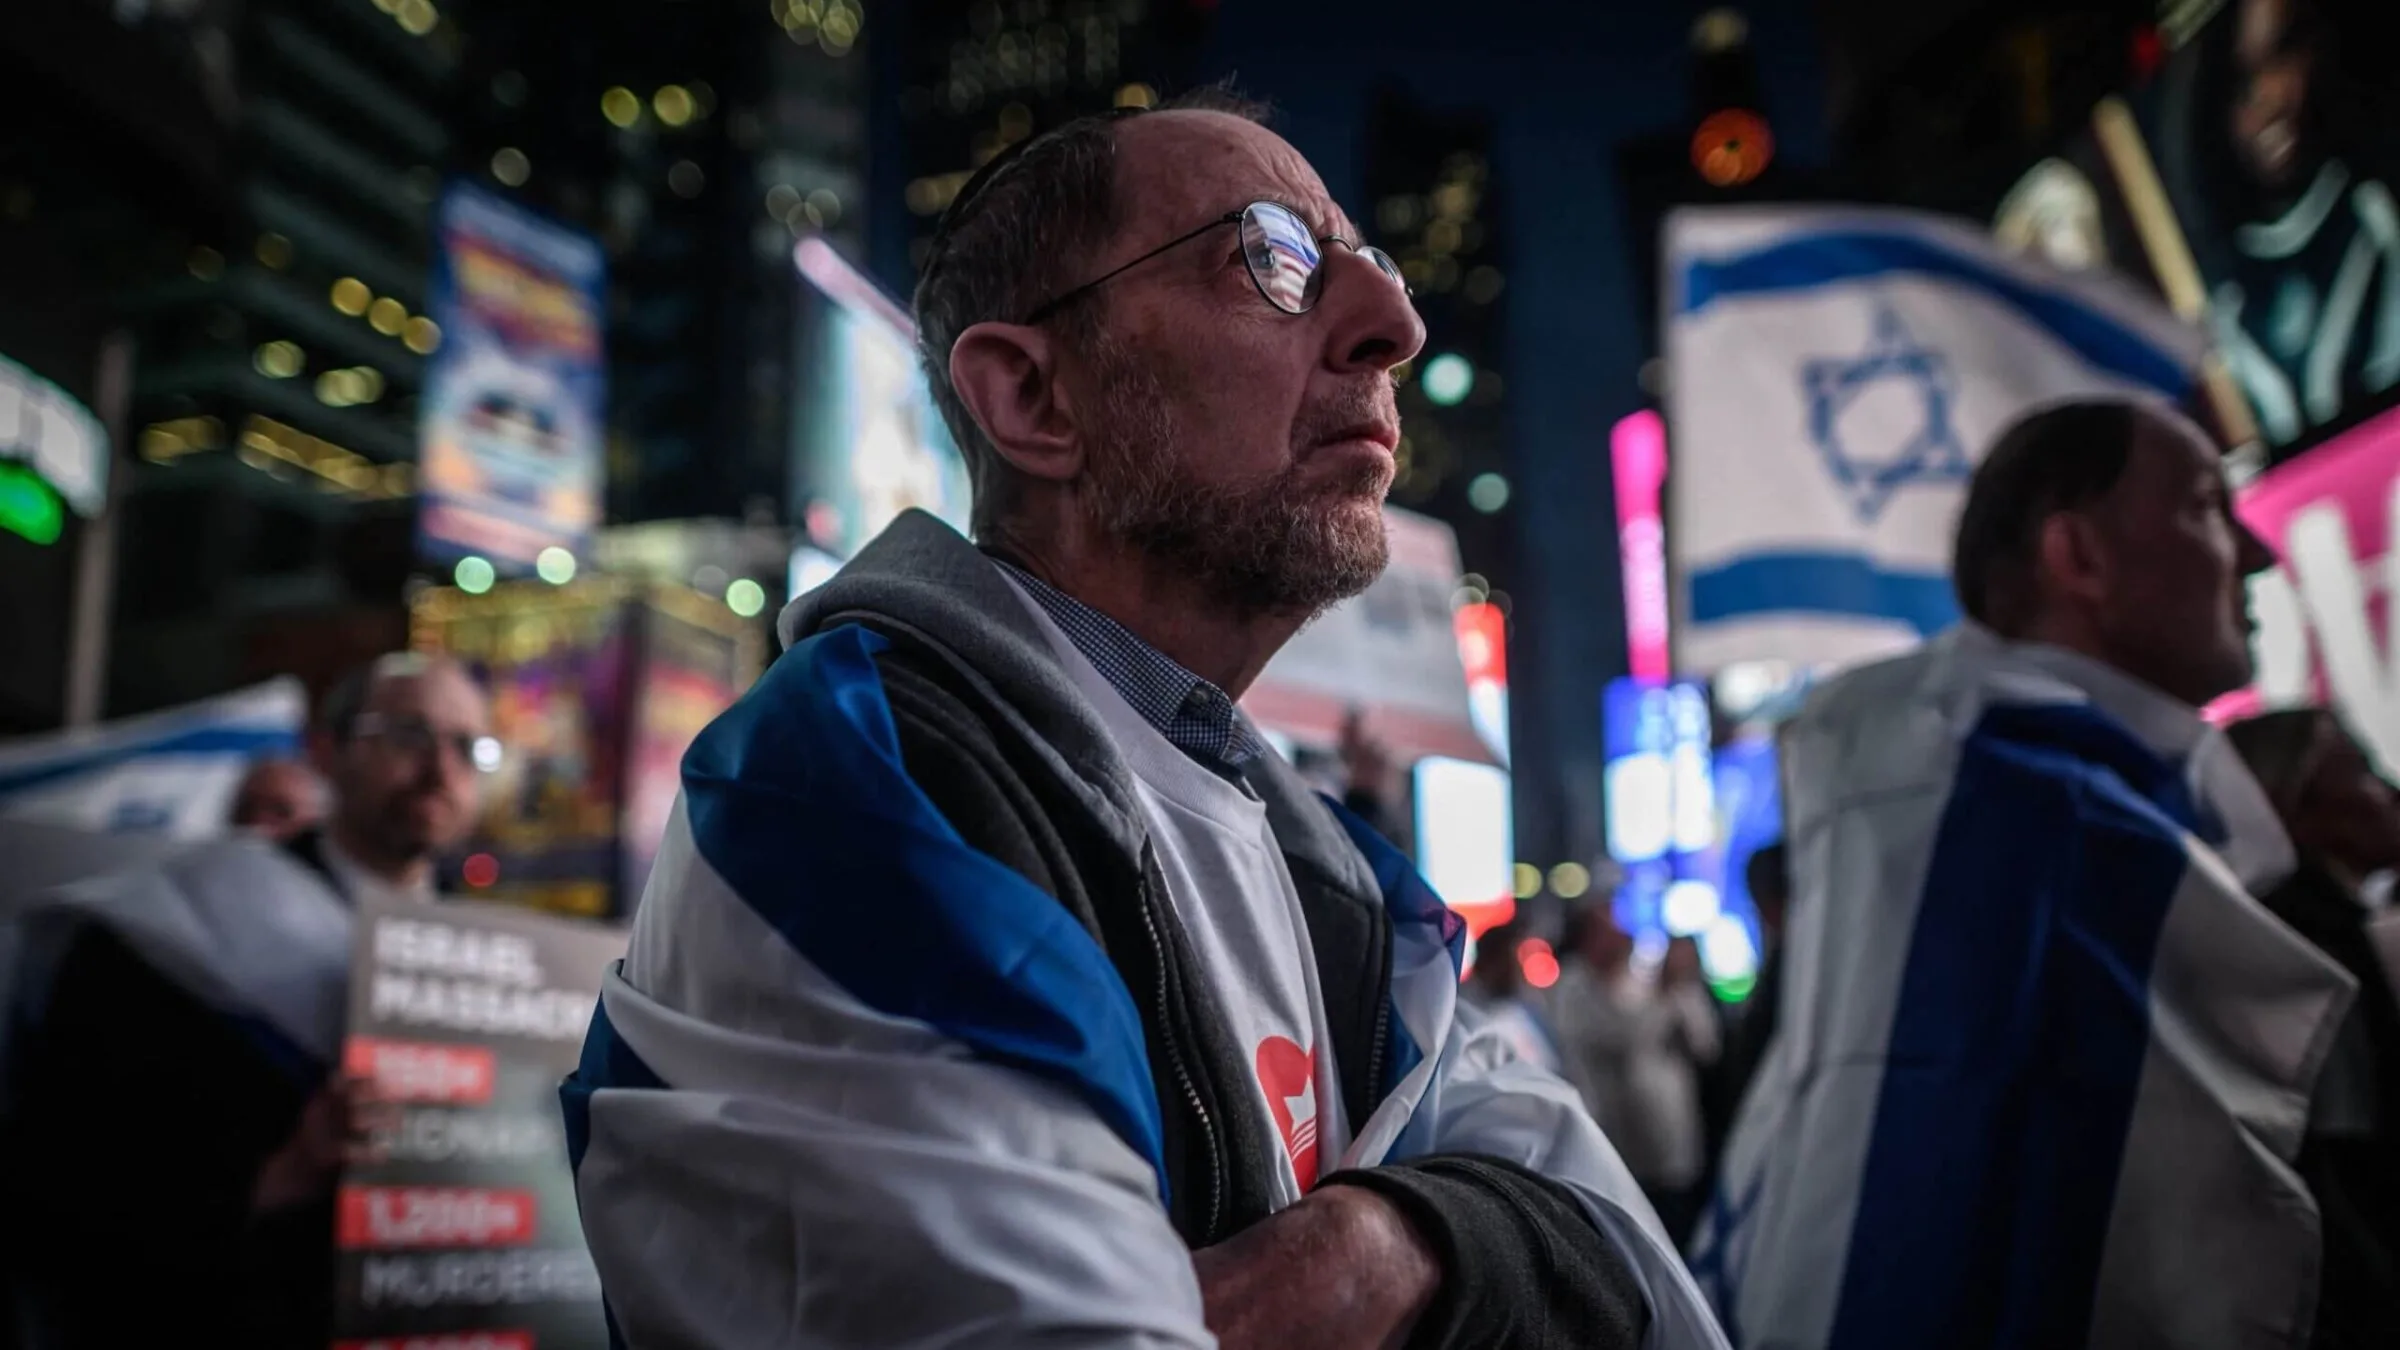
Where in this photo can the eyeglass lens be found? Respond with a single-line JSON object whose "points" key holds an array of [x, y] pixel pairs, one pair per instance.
{"points": [[417, 738], [1286, 261]]}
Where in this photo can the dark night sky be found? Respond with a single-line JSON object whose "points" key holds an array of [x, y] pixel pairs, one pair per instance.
{"points": [[1567, 83]]}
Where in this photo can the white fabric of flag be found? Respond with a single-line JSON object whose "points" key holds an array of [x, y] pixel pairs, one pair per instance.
{"points": [[1836, 373]]}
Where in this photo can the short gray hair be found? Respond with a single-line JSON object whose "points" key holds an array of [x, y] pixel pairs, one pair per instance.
{"points": [[1025, 228]]}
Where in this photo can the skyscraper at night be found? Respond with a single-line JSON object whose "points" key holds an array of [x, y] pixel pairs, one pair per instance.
{"points": [[970, 77], [1437, 210]]}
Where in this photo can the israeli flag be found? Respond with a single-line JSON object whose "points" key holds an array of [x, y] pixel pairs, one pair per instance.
{"points": [[171, 774], [2043, 1064], [1836, 374]]}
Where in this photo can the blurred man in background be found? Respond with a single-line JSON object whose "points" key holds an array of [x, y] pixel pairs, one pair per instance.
{"points": [[2345, 822], [1499, 989], [405, 743], [278, 800], [2015, 852], [175, 1124], [1635, 1043], [990, 954]]}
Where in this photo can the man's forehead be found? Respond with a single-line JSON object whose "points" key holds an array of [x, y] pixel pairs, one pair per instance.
{"points": [[1177, 167], [435, 685], [2176, 444]]}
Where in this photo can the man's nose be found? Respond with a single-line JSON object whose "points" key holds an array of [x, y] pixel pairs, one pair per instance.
{"points": [[2253, 554], [1373, 326]]}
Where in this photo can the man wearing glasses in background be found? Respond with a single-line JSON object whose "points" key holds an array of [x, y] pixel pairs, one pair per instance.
{"points": [[995, 984], [398, 805], [175, 1120]]}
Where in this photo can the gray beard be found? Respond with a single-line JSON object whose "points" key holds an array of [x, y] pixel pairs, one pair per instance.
{"points": [[1265, 548]]}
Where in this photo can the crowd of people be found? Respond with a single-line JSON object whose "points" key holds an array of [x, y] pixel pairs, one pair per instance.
{"points": [[996, 984]]}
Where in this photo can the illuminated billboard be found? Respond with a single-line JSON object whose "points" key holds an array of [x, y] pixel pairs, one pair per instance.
{"points": [[2324, 630], [514, 400], [869, 442]]}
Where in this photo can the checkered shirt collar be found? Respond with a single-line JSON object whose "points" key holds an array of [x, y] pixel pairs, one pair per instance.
{"points": [[1195, 716]]}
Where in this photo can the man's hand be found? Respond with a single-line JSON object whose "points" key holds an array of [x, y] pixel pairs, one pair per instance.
{"points": [[1366, 761], [337, 1126], [1343, 1270]]}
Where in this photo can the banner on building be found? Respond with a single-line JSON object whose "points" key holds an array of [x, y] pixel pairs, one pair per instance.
{"points": [[171, 774], [464, 1230], [1836, 374], [511, 428]]}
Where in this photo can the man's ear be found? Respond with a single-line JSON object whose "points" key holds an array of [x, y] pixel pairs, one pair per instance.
{"points": [[2071, 557], [1007, 375]]}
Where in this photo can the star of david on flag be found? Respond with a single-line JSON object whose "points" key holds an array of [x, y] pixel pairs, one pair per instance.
{"points": [[1870, 470], [1836, 373]]}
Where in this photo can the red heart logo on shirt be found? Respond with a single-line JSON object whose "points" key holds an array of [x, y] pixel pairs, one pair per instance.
{"points": [[1288, 1075]]}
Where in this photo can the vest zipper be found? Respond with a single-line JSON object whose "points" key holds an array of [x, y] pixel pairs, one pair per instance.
{"points": [[1183, 1076], [1379, 1045]]}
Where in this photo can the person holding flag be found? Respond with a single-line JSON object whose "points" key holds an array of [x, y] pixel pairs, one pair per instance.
{"points": [[2043, 1062]]}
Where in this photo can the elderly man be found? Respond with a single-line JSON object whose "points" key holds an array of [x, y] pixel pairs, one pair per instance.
{"points": [[173, 1104], [995, 985], [2043, 1062]]}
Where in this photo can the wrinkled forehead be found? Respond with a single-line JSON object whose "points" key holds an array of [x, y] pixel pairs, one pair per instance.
{"points": [[1177, 169]]}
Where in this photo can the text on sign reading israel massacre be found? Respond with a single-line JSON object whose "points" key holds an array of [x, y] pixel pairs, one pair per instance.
{"points": [[470, 980]]}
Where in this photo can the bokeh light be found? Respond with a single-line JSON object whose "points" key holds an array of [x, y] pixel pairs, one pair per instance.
{"points": [[746, 597]]}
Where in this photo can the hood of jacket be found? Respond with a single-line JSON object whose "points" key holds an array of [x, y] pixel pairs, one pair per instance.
{"points": [[921, 581]]}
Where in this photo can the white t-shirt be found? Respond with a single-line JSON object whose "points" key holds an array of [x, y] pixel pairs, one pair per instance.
{"points": [[1227, 881]]}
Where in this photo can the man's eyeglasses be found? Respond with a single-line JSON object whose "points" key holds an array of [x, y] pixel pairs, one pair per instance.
{"points": [[417, 738], [1285, 259]]}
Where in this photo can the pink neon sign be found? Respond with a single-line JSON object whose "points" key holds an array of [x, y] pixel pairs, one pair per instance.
{"points": [[2324, 613], [1638, 451]]}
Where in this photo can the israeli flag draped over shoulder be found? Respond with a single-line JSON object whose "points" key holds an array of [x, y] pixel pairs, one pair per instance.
{"points": [[857, 1083], [1835, 375], [2043, 1063], [120, 827]]}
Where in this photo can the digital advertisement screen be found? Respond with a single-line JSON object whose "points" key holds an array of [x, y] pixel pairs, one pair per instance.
{"points": [[1660, 798], [511, 429], [869, 444], [1466, 838], [557, 663]]}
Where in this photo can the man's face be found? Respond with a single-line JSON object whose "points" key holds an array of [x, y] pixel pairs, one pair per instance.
{"points": [[279, 799], [2172, 602], [405, 782], [2346, 811], [2275, 63], [1246, 448]]}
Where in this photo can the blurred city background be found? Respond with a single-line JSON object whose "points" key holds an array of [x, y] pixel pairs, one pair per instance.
{"points": [[572, 338]]}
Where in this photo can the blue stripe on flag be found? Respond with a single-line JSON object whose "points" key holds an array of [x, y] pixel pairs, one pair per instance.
{"points": [[1812, 260], [798, 797], [2018, 1040], [1409, 900], [246, 742], [607, 1062], [1822, 583]]}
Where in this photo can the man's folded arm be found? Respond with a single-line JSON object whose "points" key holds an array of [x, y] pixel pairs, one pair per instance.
{"points": [[786, 1166]]}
